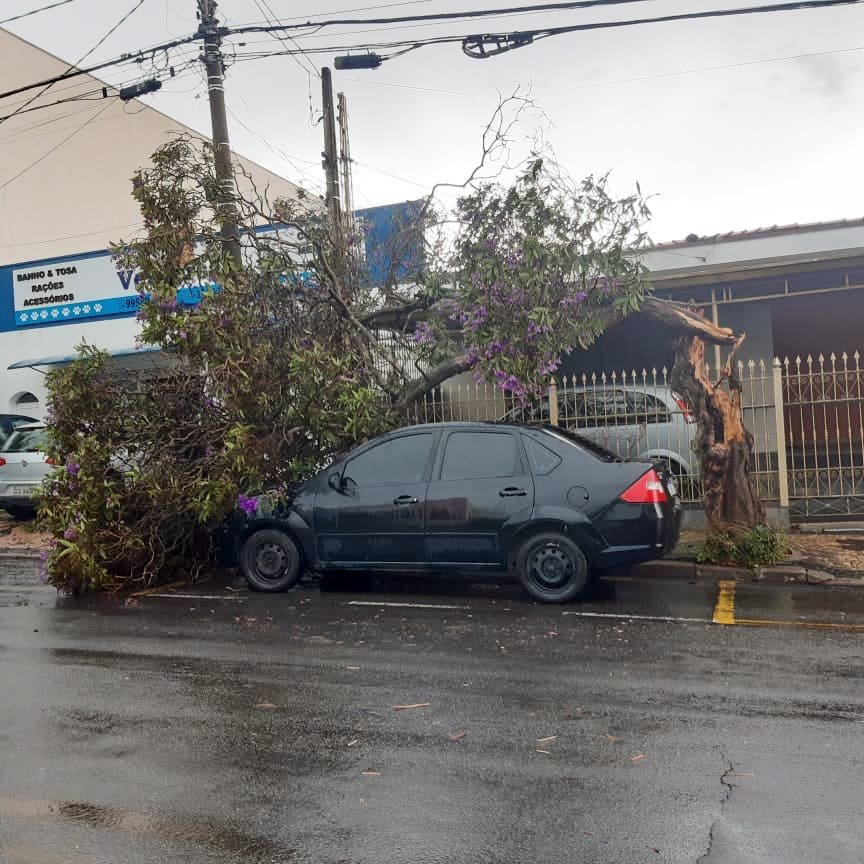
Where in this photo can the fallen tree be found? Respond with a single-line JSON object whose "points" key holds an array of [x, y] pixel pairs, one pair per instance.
{"points": [[293, 353]]}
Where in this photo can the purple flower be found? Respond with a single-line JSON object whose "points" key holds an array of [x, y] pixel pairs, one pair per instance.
{"points": [[575, 300], [183, 335], [423, 333], [72, 468], [248, 505], [70, 533]]}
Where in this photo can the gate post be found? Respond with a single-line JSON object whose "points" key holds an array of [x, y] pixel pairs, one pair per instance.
{"points": [[780, 435], [553, 403]]}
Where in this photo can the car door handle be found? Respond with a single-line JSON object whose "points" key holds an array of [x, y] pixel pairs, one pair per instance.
{"points": [[405, 500], [512, 492]]}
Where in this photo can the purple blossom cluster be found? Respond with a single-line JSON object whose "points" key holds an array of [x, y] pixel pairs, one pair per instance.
{"points": [[424, 334], [249, 505]]}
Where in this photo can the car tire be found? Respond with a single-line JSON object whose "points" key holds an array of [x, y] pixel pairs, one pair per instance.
{"points": [[20, 514], [551, 568], [270, 560]]}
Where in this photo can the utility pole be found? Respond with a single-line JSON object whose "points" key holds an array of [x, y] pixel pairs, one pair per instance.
{"points": [[211, 33], [345, 160], [331, 166]]}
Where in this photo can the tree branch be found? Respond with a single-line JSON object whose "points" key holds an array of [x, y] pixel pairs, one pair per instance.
{"points": [[430, 380]]}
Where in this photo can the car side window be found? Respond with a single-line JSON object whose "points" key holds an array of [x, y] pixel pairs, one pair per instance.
{"points": [[399, 460], [476, 455], [648, 409], [542, 459]]}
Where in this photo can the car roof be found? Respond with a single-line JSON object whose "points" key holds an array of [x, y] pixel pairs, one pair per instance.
{"points": [[465, 424]]}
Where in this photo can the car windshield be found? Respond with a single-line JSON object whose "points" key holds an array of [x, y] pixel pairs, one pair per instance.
{"points": [[585, 443], [26, 441]]}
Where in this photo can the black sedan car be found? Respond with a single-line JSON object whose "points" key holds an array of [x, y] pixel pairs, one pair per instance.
{"points": [[540, 503]]}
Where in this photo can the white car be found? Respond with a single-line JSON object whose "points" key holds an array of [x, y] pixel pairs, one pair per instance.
{"points": [[23, 467]]}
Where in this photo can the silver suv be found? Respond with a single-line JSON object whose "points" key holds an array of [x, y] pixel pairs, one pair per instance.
{"points": [[634, 421]]}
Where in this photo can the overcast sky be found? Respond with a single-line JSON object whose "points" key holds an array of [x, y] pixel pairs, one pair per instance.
{"points": [[750, 144]]}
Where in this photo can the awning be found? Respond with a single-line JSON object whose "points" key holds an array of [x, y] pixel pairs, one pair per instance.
{"points": [[132, 358]]}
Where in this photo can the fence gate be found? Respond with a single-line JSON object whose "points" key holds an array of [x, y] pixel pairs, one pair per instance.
{"points": [[824, 423]]}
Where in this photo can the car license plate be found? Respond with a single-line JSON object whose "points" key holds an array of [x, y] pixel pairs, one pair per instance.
{"points": [[19, 490]]}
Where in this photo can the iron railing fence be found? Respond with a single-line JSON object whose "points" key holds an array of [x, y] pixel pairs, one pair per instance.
{"points": [[806, 417]]}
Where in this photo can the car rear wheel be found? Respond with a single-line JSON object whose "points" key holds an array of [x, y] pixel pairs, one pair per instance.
{"points": [[552, 568], [21, 513], [270, 560]]}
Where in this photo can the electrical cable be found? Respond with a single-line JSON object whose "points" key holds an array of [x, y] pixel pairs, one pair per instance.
{"points": [[35, 11], [57, 146], [137, 57], [516, 39], [122, 21], [443, 16]]}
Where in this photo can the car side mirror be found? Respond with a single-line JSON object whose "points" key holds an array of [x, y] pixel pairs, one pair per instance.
{"points": [[334, 481]]}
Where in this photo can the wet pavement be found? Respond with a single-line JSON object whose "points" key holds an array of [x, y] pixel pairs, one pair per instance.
{"points": [[445, 723]]}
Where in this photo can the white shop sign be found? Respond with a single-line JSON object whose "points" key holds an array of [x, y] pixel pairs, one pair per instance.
{"points": [[72, 289]]}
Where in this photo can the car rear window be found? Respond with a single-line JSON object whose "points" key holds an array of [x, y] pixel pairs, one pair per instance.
{"points": [[543, 460], [583, 443], [26, 441], [476, 455]]}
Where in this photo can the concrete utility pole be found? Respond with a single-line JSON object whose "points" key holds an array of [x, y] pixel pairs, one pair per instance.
{"points": [[209, 30], [345, 160], [331, 159]]}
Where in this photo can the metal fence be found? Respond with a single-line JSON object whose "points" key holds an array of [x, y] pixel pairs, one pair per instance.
{"points": [[806, 417]]}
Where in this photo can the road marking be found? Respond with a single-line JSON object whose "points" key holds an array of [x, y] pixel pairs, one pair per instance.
{"points": [[146, 592], [196, 596], [724, 609], [620, 615], [765, 622], [404, 605]]}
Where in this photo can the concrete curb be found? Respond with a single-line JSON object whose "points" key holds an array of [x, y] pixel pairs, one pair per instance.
{"points": [[20, 552], [783, 574]]}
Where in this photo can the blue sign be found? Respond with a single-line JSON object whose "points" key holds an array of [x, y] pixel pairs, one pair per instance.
{"points": [[394, 241]]}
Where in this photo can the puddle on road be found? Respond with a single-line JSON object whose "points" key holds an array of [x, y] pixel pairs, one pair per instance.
{"points": [[218, 838]]}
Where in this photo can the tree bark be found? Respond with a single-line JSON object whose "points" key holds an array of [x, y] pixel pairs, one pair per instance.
{"points": [[427, 382], [723, 444]]}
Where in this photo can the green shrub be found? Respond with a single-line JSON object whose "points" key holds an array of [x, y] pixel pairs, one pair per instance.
{"points": [[757, 547]]}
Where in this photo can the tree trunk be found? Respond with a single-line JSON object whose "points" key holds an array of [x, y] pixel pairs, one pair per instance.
{"points": [[722, 443]]}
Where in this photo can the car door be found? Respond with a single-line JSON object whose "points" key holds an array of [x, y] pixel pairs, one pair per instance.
{"points": [[479, 484], [375, 515]]}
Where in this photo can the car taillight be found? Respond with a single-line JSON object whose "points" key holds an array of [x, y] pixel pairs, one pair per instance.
{"points": [[684, 408], [2, 461], [648, 489], [49, 461]]}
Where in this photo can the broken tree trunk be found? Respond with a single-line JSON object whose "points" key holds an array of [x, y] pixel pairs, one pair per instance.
{"points": [[722, 443]]}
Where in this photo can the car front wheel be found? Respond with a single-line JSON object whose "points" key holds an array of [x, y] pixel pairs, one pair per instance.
{"points": [[270, 560], [552, 568]]}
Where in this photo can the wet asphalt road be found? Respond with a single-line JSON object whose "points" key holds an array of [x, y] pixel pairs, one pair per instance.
{"points": [[226, 727]]}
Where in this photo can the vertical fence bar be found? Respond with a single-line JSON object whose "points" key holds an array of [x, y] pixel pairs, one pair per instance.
{"points": [[782, 476]]}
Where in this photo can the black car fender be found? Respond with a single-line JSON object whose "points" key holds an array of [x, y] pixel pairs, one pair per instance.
{"points": [[574, 523]]}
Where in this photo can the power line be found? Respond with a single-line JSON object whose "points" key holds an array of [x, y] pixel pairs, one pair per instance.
{"points": [[73, 72], [270, 17], [57, 146], [475, 45], [35, 11], [47, 86], [441, 16]]}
